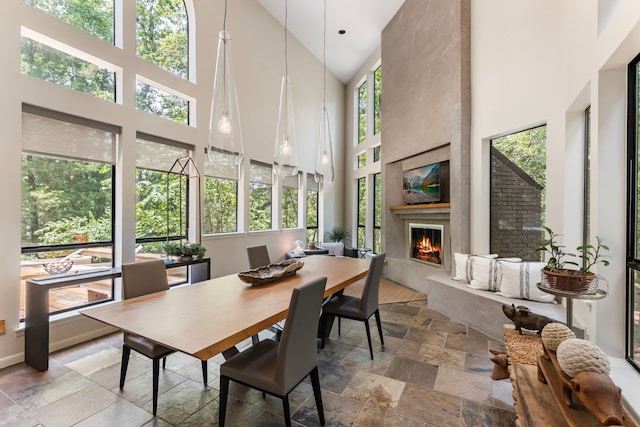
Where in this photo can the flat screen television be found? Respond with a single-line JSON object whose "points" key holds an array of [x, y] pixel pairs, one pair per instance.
{"points": [[421, 185]]}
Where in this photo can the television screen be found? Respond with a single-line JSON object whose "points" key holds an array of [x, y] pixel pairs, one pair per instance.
{"points": [[421, 185]]}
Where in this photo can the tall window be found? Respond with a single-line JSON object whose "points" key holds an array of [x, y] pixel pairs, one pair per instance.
{"points": [[290, 186], [313, 192], [362, 112], [377, 99], [586, 200], [161, 34], [67, 202], [633, 216], [518, 169], [161, 103], [362, 212], [220, 210], [377, 213], [260, 196]]}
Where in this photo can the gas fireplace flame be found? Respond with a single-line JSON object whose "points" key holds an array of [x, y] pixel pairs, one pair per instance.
{"points": [[428, 248]]}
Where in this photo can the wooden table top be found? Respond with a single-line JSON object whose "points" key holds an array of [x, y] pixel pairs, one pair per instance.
{"points": [[208, 317]]}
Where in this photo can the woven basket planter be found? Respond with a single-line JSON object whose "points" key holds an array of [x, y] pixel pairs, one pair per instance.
{"points": [[571, 281]]}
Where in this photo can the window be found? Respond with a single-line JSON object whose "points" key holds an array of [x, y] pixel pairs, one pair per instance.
{"points": [[52, 65], [162, 198], [161, 103], [377, 153], [362, 112], [633, 217], [518, 168], [377, 98], [96, 17], [161, 34], [67, 202], [362, 212], [586, 173], [220, 210], [362, 160], [260, 196], [377, 213], [290, 201], [313, 197]]}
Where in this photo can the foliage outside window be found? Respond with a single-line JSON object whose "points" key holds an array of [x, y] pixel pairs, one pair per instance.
{"points": [[377, 213], [67, 201], [46, 63], [362, 160], [633, 218], [518, 170], [290, 186], [162, 104], [220, 210], [161, 34], [260, 196], [362, 112], [377, 99], [313, 197], [362, 212], [92, 16]]}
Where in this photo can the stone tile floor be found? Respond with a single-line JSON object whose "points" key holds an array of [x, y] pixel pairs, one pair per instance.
{"points": [[432, 371]]}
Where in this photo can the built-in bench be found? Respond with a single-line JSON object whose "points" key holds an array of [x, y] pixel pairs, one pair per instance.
{"points": [[482, 310]]}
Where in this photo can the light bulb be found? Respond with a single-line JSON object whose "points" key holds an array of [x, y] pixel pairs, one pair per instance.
{"points": [[224, 124], [285, 147]]}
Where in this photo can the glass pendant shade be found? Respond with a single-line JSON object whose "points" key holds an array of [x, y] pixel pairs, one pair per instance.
{"points": [[324, 161], [285, 156], [225, 136]]}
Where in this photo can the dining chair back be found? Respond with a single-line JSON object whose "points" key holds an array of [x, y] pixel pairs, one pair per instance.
{"points": [[143, 278], [277, 368], [258, 256], [355, 308]]}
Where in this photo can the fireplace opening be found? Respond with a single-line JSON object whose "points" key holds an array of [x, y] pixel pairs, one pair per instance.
{"points": [[426, 243]]}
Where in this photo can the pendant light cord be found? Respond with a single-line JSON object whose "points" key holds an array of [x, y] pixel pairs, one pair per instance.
{"points": [[224, 21], [286, 61], [324, 58]]}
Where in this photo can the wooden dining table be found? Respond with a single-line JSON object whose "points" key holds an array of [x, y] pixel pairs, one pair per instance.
{"points": [[209, 317]]}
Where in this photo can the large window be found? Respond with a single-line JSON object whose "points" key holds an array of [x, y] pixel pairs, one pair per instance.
{"points": [[362, 112], [220, 210], [260, 196], [161, 103], [313, 197], [377, 100], [67, 203], [362, 212], [518, 170], [290, 186], [633, 216], [377, 213]]}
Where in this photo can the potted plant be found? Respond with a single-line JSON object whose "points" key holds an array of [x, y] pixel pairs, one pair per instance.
{"points": [[186, 252], [557, 275], [337, 234]]}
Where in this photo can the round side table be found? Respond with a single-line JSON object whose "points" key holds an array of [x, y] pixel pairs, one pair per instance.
{"points": [[363, 252], [570, 296]]}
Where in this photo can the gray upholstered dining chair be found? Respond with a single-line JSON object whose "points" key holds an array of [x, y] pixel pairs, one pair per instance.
{"points": [[258, 256], [277, 368], [143, 278], [358, 308]]}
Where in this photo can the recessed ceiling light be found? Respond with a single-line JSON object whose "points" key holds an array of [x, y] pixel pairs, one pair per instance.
{"points": [[342, 31]]}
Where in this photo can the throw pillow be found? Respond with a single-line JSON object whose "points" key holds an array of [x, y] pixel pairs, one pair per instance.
{"points": [[462, 267], [518, 280], [483, 272]]}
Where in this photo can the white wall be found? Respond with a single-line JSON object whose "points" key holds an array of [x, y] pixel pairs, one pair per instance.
{"points": [[537, 62], [258, 54]]}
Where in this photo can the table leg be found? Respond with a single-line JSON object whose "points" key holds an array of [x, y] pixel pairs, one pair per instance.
{"points": [[36, 330], [569, 312]]}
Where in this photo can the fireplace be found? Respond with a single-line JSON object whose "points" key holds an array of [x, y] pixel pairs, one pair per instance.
{"points": [[426, 243]]}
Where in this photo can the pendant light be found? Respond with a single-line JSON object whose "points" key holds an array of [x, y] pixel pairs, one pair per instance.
{"points": [[324, 161], [225, 136], [285, 156]]}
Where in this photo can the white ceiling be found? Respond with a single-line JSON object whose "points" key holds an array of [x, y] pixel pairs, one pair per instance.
{"points": [[363, 21]]}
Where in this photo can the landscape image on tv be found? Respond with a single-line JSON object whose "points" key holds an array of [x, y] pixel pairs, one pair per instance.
{"points": [[421, 185]]}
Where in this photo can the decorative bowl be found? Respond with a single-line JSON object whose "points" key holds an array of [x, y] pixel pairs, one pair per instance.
{"points": [[271, 272], [58, 267]]}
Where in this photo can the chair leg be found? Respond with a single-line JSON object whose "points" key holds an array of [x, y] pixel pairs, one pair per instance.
{"points": [[224, 391], [315, 382], [339, 324], [164, 362], [255, 339], [156, 374], [377, 313], [205, 375], [285, 409], [366, 325], [126, 351], [323, 328]]}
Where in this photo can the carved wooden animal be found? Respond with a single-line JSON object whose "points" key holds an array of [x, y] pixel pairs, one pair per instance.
{"points": [[598, 394], [522, 317], [500, 370]]}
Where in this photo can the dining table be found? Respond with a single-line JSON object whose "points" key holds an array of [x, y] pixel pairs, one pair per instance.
{"points": [[213, 316]]}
